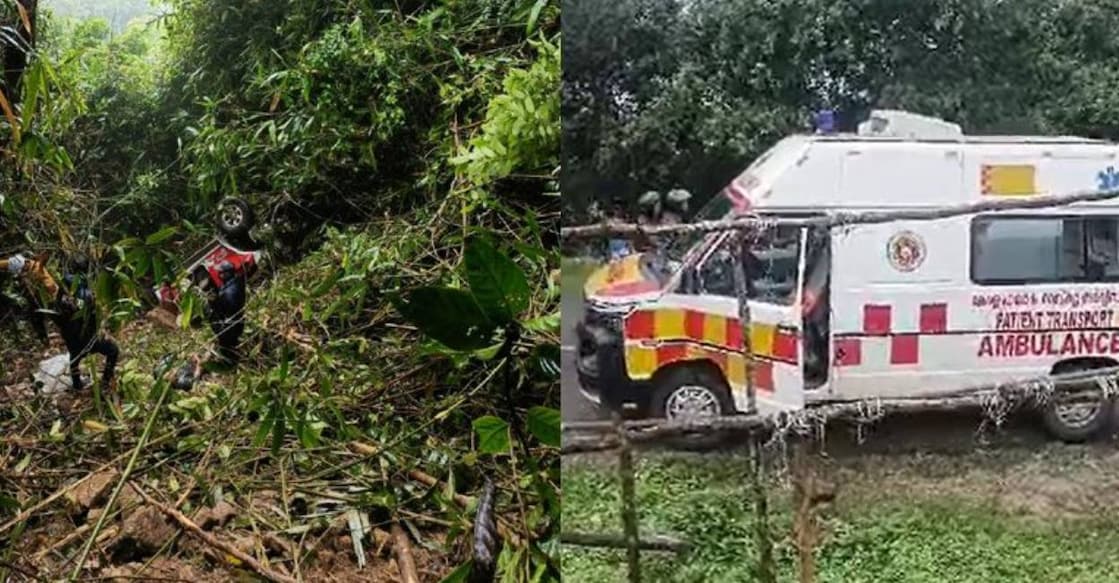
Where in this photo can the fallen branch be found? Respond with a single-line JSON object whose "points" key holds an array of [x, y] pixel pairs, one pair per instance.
{"points": [[613, 541], [431, 481], [197, 532], [402, 548]]}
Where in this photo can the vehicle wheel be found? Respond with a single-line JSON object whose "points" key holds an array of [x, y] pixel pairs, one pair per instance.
{"points": [[1077, 422], [691, 393], [235, 217]]}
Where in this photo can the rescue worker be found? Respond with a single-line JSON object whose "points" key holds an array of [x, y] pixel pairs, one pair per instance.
{"points": [[649, 208], [648, 215], [72, 310], [227, 312], [675, 207]]}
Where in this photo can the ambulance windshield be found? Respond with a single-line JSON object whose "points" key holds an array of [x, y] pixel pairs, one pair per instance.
{"points": [[716, 208]]}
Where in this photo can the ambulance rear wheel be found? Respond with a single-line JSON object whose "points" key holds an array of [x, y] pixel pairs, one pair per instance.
{"points": [[1077, 422], [690, 392]]}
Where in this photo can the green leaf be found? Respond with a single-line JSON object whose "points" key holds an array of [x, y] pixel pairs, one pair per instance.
{"points": [[451, 316], [496, 281], [326, 284], [278, 433], [493, 434], [161, 235], [461, 574], [10, 504], [544, 423], [266, 425], [547, 323]]}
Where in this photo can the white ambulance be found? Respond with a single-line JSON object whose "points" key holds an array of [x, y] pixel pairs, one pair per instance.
{"points": [[887, 310]]}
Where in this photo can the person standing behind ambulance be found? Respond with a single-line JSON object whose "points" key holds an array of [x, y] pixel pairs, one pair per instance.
{"points": [[675, 207]]}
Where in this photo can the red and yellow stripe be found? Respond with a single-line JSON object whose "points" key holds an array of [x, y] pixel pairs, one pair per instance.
{"points": [[659, 337]]}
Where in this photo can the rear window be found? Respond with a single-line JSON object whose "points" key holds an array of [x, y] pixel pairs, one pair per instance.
{"points": [[1028, 250]]}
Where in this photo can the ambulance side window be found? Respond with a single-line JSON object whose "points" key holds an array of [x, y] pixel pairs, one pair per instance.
{"points": [[772, 262], [1024, 250]]}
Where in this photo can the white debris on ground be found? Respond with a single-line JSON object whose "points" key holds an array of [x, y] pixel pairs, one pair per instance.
{"points": [[53, 375]]}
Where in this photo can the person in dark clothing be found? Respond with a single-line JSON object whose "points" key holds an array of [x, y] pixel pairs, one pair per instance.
{"points": [[73, 311], [227, 312], [76, 318]]}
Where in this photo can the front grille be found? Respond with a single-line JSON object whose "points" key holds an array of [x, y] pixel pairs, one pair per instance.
{"points": [[607, 321]]}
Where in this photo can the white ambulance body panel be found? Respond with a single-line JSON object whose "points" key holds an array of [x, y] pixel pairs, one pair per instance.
{"points": [[907, 316]]}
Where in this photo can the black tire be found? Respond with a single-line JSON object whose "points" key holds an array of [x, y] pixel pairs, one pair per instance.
{"points": [[1071, 426], [235, 217], [685, 377]]}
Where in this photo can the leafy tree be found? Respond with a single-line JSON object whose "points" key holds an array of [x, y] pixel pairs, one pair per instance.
{"points": [[692, 92]]}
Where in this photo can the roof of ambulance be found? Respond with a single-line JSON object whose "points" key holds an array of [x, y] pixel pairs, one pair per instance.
{"points": [[957, 139]]}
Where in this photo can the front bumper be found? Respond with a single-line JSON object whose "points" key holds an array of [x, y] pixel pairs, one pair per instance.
{"points": [[600, 364]]}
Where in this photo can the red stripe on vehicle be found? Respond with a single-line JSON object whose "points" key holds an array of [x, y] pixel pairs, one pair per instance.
{"points": [[848, 351], [785, 346], [669, 353], [639, 325], [734, 334], [934, 318], [631, 288], [763, 376], [904, 349], [876, 319], [693, 325]]}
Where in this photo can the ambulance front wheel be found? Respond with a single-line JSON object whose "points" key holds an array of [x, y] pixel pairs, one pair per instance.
{"points": [[690, 392]]}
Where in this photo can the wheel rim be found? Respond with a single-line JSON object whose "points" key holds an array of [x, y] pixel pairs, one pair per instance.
{"points": [[232, 215], [1077, 415], [691, 401]]}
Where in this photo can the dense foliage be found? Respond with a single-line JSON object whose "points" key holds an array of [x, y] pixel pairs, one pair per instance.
{"points": [[388, 148], [666, 93]]}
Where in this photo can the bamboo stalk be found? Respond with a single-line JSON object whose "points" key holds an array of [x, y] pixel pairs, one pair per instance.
{"points": [[613, 541], [841, 218], [148, 425]]}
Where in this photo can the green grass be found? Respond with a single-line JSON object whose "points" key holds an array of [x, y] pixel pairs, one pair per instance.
{"points": [[896, 538], [576, 271]]}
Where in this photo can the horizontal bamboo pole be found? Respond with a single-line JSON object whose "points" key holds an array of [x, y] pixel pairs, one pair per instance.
{"points": [[617, 541], [841, 218]]}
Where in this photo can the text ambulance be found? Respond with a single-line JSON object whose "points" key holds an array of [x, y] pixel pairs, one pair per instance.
{"points": [[882, 310]]}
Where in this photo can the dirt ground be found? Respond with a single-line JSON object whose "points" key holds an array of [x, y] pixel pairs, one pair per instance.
{"points": [[141, 544]]}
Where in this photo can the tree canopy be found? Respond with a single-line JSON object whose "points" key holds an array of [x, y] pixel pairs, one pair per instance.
{"points": [[666, 93]]}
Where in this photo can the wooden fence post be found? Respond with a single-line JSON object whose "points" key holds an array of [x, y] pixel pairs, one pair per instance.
{"points": [[767, 570], [629, 503]]}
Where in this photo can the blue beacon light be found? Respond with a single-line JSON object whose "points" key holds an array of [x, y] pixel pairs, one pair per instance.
{"points": [[825, 121]]}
